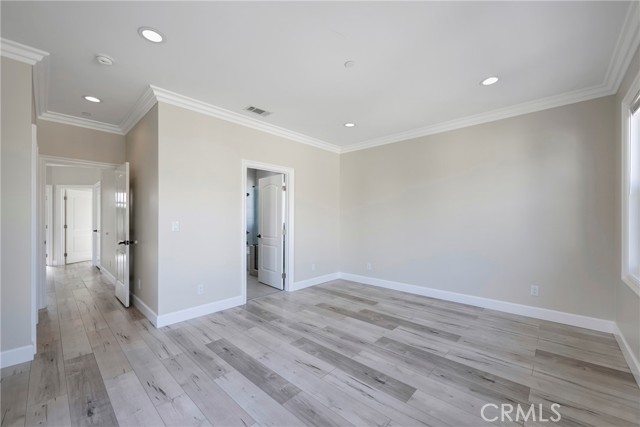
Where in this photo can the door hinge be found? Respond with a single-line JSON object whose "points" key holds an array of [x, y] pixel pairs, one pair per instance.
{"points": [[65, 254], [284, 231], [284, 188], [284, 275], [65, 226], [65, 197]]}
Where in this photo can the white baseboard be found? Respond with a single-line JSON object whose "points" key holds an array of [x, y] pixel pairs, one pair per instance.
{"points": [[633, 363], [578, 320], [110, 277], [314, 281], [17, 355], [144, 309], [201, 310]]}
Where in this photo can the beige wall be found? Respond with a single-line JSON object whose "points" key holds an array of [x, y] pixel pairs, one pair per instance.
{"points": [[200, 185], [492, 209], [627, 301], [142, 154], [16, 205], [61, 140], [72, 175]]}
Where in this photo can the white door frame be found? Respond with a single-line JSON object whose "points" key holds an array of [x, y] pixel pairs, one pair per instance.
{"points": [[48, 220], [288, 219], [96, 240]]}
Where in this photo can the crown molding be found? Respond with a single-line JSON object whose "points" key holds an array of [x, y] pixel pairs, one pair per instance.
{"points": [[77, 121], [141, 107], [490, 116], [626, 46], [168, 97], [21, 52]]}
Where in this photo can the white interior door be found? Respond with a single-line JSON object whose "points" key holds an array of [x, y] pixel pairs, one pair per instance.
{"points": [[48, 226], [270, 229], [122, 234], [79, 219], [96, 225]]}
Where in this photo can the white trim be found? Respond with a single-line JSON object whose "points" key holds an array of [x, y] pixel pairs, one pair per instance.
{"points": [[141, 107], [628, 41], [314, 281], [144, 309], [36, 269], [198, 311], [41, 85], [110, 277], [17, 355], [625, 120], [633, 363], [593, 323], [486, 117], [21, 52], [289, 248], [66, 161], [81, 122], [173, 98]]}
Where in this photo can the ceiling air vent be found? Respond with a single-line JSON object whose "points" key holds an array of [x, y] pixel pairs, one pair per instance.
{"points": [[258, 111]]}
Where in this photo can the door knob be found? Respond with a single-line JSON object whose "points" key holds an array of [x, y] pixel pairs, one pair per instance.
{"points": [[259, 236]]}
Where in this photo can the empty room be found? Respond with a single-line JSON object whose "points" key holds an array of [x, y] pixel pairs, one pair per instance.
{"points": [[320, 213]]}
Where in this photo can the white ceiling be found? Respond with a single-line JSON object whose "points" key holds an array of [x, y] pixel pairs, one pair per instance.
{"points": [[417, 64]]}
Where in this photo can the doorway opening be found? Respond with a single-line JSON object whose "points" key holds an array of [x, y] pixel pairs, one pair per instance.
{"points": [[267, 225]]}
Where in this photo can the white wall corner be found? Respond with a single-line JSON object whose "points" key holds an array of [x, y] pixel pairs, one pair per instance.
{"points": [[141, 107], [17, 355], [314, 281], [633, 363], [571, 319], [145, 309], [198, 311]]}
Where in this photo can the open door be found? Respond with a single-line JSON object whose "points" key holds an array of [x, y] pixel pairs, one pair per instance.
{"points": [[122, 234], [271, 231], [96, 225]]}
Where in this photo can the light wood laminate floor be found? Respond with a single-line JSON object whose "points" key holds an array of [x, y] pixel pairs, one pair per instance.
{"points": [[337, 354]]}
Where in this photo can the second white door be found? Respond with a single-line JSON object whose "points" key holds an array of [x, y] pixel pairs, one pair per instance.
{"points": [[271, 231], [78, 221]]}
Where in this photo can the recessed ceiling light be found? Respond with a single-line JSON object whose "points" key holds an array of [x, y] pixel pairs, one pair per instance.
{"points": [[349, 64], [86, 114], [150, 34], [489, 81], [349, 125], [104, 59], [92, 98]]}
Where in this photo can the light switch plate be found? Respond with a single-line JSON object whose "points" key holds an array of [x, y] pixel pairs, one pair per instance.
{"points": [[175, 226]]}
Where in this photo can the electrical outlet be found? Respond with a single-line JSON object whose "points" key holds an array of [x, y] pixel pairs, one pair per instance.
{"points": [[313, 267], [369, 266], [200, 289], [175, 226], [535, 291]]}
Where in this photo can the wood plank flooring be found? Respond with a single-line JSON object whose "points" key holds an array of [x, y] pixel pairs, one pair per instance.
{"points": [[337, 354]]}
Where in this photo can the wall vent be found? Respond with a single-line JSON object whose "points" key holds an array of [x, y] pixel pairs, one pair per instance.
{"points": [[258, 111]]}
